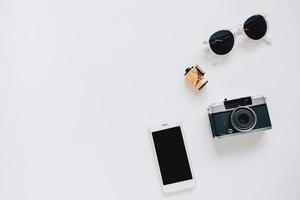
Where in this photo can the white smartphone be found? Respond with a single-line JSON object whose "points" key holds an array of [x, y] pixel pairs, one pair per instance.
{"points": [[172, 156]]}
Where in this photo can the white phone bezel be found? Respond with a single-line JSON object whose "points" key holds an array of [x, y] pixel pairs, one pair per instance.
{"points": [[178, 186]]}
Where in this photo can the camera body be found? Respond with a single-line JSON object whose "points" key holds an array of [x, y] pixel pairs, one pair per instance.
{"points": [[239, 116]]}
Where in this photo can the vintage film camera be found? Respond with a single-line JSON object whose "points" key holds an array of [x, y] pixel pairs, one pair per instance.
{"points": [[238, 116]]}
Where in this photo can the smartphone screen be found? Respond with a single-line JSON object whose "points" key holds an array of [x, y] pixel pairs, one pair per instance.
{"points": [[172, 156]]}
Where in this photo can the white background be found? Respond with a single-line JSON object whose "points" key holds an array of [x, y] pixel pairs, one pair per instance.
{"points": [[80, 82]]}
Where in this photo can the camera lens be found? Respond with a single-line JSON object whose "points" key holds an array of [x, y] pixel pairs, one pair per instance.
{"points": [[243, 119]]}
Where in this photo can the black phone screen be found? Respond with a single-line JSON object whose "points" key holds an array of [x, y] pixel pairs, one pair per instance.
{"points": [[172, 156]]}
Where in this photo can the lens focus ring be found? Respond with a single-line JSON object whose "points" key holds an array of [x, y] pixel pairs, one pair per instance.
{"points": [[243, 119]]}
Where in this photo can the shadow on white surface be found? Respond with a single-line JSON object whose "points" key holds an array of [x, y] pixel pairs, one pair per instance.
{"points": [[176, 193], [194, 91], [216, 59], [246, 44], [236, 144]]}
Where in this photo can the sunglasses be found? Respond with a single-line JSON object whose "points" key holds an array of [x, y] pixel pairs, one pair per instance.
{"points": [[222, 42]]}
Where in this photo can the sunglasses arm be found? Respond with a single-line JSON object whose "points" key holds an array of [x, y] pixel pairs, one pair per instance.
{"points": [[268, 39]]}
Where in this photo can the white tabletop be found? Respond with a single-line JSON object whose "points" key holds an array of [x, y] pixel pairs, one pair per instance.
{"points": [[80, 82]]}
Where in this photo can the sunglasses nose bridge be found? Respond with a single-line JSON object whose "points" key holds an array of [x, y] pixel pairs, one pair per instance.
{"points": [[238, 30]]}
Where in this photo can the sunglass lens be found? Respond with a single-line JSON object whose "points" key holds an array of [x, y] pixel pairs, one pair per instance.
{"points": [[255, 27], [221, 42]]}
